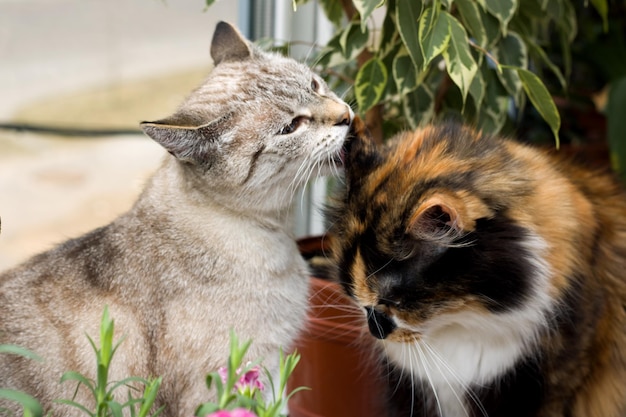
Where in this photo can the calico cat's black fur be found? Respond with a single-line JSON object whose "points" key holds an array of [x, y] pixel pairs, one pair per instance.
{"points": [[494, 274]]}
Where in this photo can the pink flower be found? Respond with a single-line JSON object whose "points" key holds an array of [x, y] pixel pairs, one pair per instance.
{"points": [[248, 382], [237, 412]]}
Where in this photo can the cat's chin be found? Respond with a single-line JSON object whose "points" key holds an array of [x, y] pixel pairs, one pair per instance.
{"points": [[400, 335]]}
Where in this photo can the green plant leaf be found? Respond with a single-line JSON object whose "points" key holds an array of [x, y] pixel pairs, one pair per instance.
{"points": [[331, 55], [434, 34], [406, 70], [370, 84], [511, 51], [602, 7], [125, 381], [75, 376], [419, 106], [115, 408], [149, 396], [492, 113], [540, 98], [470, 16], [389, 33], [352, 41], [296, 3], [538, 51], [205, 409], [29, 404], [566, 20], [332, 10], [407, 12], [404, 73], [17, 350], [477, 89], [208, 2], [74, 404], [426, 21], [365, 9], [616, 125], [503, 10], [492, 28], [460, 63]]}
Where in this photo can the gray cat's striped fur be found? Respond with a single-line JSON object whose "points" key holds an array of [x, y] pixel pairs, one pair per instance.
{"points": [[206, 248]]}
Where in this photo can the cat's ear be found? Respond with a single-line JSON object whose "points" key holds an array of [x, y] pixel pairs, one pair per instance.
{"points": [[191, 144], [435, 217], [445, 217], [229, 44]]}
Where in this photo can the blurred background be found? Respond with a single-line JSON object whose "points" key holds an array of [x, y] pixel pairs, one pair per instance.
{"points": [[103, 66]]}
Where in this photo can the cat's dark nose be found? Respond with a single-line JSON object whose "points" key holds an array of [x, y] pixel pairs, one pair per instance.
{"points": [[379, 323], [344, 119]]}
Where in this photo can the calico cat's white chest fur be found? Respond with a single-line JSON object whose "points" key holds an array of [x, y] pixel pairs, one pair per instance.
{"points": [[461, 357]]}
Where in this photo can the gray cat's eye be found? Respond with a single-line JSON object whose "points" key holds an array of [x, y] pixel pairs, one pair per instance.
{"points": [[291, 127], [315, 85]]}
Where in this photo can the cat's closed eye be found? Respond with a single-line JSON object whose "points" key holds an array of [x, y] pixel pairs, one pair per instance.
{"points": [[315, 85], [293, 126]]}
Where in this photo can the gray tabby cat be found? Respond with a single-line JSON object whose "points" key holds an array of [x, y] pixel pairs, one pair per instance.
{"points": [[206, 248]]}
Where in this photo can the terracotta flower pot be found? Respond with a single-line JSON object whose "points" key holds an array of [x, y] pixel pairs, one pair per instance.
{"points": [[338, 361]]}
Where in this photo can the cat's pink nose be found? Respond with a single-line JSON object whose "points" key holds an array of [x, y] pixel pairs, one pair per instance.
{"points": [[344, 119]]}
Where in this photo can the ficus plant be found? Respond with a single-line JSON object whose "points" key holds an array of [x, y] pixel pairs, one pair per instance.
{"points": [[480, 61]]}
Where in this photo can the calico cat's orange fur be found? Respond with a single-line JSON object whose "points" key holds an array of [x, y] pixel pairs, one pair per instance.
{"points": [[493, 273]]}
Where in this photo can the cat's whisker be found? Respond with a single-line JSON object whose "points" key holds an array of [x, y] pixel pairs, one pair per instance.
{"points": [[371, 315], [311, 168], [468, 390], [424, 362], [409, 352], [379, 269], [438, 363], [309, 53], [345, 93]]}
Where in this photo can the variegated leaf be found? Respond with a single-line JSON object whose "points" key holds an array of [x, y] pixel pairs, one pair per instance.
{"points": [[434, 34], [370, 84], [419, 106], [460, 63], [407, 12], [353, 40], [332, 10], [503, 10], [470, 15], [404, 73], [540, 98], [511, 51], [365, 9], [477, 89]]}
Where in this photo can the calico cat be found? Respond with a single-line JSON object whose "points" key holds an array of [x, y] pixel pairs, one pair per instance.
{"points": [[493, 273], [206, 248]]}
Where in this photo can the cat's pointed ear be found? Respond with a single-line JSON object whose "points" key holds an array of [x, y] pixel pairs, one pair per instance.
{"points": [[445, 216], [191, 144], [229, 44], [435, 218]]}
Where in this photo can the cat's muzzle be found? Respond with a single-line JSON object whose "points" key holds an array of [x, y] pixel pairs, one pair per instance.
{"points": [[379, 323]]}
